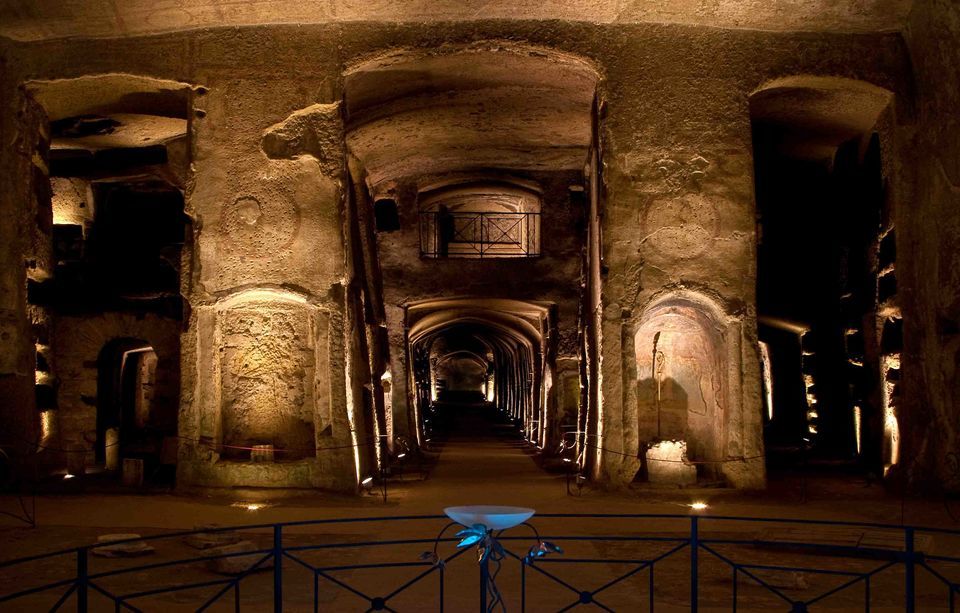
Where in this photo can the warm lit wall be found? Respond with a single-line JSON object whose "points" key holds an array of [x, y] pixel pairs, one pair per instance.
{"points": [[676, 164], [265, 354], [26, 20], [929, 254], [552, 277]]}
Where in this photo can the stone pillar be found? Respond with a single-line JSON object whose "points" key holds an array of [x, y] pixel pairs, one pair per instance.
{"points": [[22, 127], [266, 352], [678, 217], [402, 397]]}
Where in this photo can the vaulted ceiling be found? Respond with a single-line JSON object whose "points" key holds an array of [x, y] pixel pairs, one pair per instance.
{"points": [[413, 114], [47, 19]]}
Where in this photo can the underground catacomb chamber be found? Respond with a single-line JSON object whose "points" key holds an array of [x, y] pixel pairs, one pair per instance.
{"points": [[492, 221]]}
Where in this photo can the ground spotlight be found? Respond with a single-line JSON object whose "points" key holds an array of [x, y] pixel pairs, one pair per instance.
{"points": [[699, 505], [250, 506]]}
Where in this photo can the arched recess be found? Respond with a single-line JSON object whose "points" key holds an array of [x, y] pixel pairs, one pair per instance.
{"points": [[90, 398], [126, 383], [271, 379], [681, 386], [830, 320], [514, 356], [694, 418]]}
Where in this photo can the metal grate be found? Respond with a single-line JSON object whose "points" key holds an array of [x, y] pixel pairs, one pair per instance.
{"points": [[479, 235]]}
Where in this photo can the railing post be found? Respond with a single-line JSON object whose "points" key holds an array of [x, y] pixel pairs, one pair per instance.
{"points": [[523, 586], [82, 580], [278, 568], [484, 577], [909, 571], [694, 562]]}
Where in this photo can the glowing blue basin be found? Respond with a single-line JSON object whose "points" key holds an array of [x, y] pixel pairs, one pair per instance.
{"points": [[492, 516]]}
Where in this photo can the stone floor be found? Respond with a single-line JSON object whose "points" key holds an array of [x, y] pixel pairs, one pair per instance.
{"points": [[474, 464]]}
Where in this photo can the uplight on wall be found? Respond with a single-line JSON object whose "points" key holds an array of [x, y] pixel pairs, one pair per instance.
{"points": [[891, 425], [767, 378]]}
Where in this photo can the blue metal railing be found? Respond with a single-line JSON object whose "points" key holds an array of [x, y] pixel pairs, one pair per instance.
{"points": [[729, 562]]}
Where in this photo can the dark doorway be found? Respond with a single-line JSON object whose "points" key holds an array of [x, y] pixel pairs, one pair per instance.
{"points": [[127, 373]]}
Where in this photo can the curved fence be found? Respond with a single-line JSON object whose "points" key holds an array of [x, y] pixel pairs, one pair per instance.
{"points": [[614, 562]]}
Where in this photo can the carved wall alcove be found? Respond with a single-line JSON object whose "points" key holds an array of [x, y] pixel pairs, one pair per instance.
{"points": [[267, 364], [682, 369], [269, 381]]}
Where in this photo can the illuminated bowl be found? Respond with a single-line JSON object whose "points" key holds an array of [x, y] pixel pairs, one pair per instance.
{"points": [[492, 516]]}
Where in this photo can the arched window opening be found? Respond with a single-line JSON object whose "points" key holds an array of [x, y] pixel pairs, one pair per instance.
{"points": [[480, 220]]}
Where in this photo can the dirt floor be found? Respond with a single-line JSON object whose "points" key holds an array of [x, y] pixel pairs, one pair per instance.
{"points": [[477, 465]]}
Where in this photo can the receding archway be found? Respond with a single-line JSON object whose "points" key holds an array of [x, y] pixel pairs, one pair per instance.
{"points": [[487, 350], [826, 273]]}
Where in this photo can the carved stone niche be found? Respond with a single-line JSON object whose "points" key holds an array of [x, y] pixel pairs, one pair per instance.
{"points": [[681, 382], [265, 378]]}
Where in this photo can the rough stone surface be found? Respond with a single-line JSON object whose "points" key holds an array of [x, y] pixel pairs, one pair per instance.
{"points": [[928, 193], [121, 550], [267, 192], [24, 21], [208, 540], [667, 464], [235, 565]]}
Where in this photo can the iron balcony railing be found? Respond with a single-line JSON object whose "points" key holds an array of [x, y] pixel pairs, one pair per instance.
{"points": [[479, 235], [615, 562]]}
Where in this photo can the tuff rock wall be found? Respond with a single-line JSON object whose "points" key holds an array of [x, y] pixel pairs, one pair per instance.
{"points": [[931, 254], [270, 273]]}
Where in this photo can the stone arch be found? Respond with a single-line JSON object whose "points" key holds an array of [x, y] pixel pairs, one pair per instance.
{"points": [[816, 112], [460, 108], [512, 331], [121, 370], [78, 347]]}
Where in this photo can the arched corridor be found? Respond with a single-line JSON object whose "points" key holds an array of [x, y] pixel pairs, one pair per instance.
{"points": [[830, 321], [479, 361]]}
